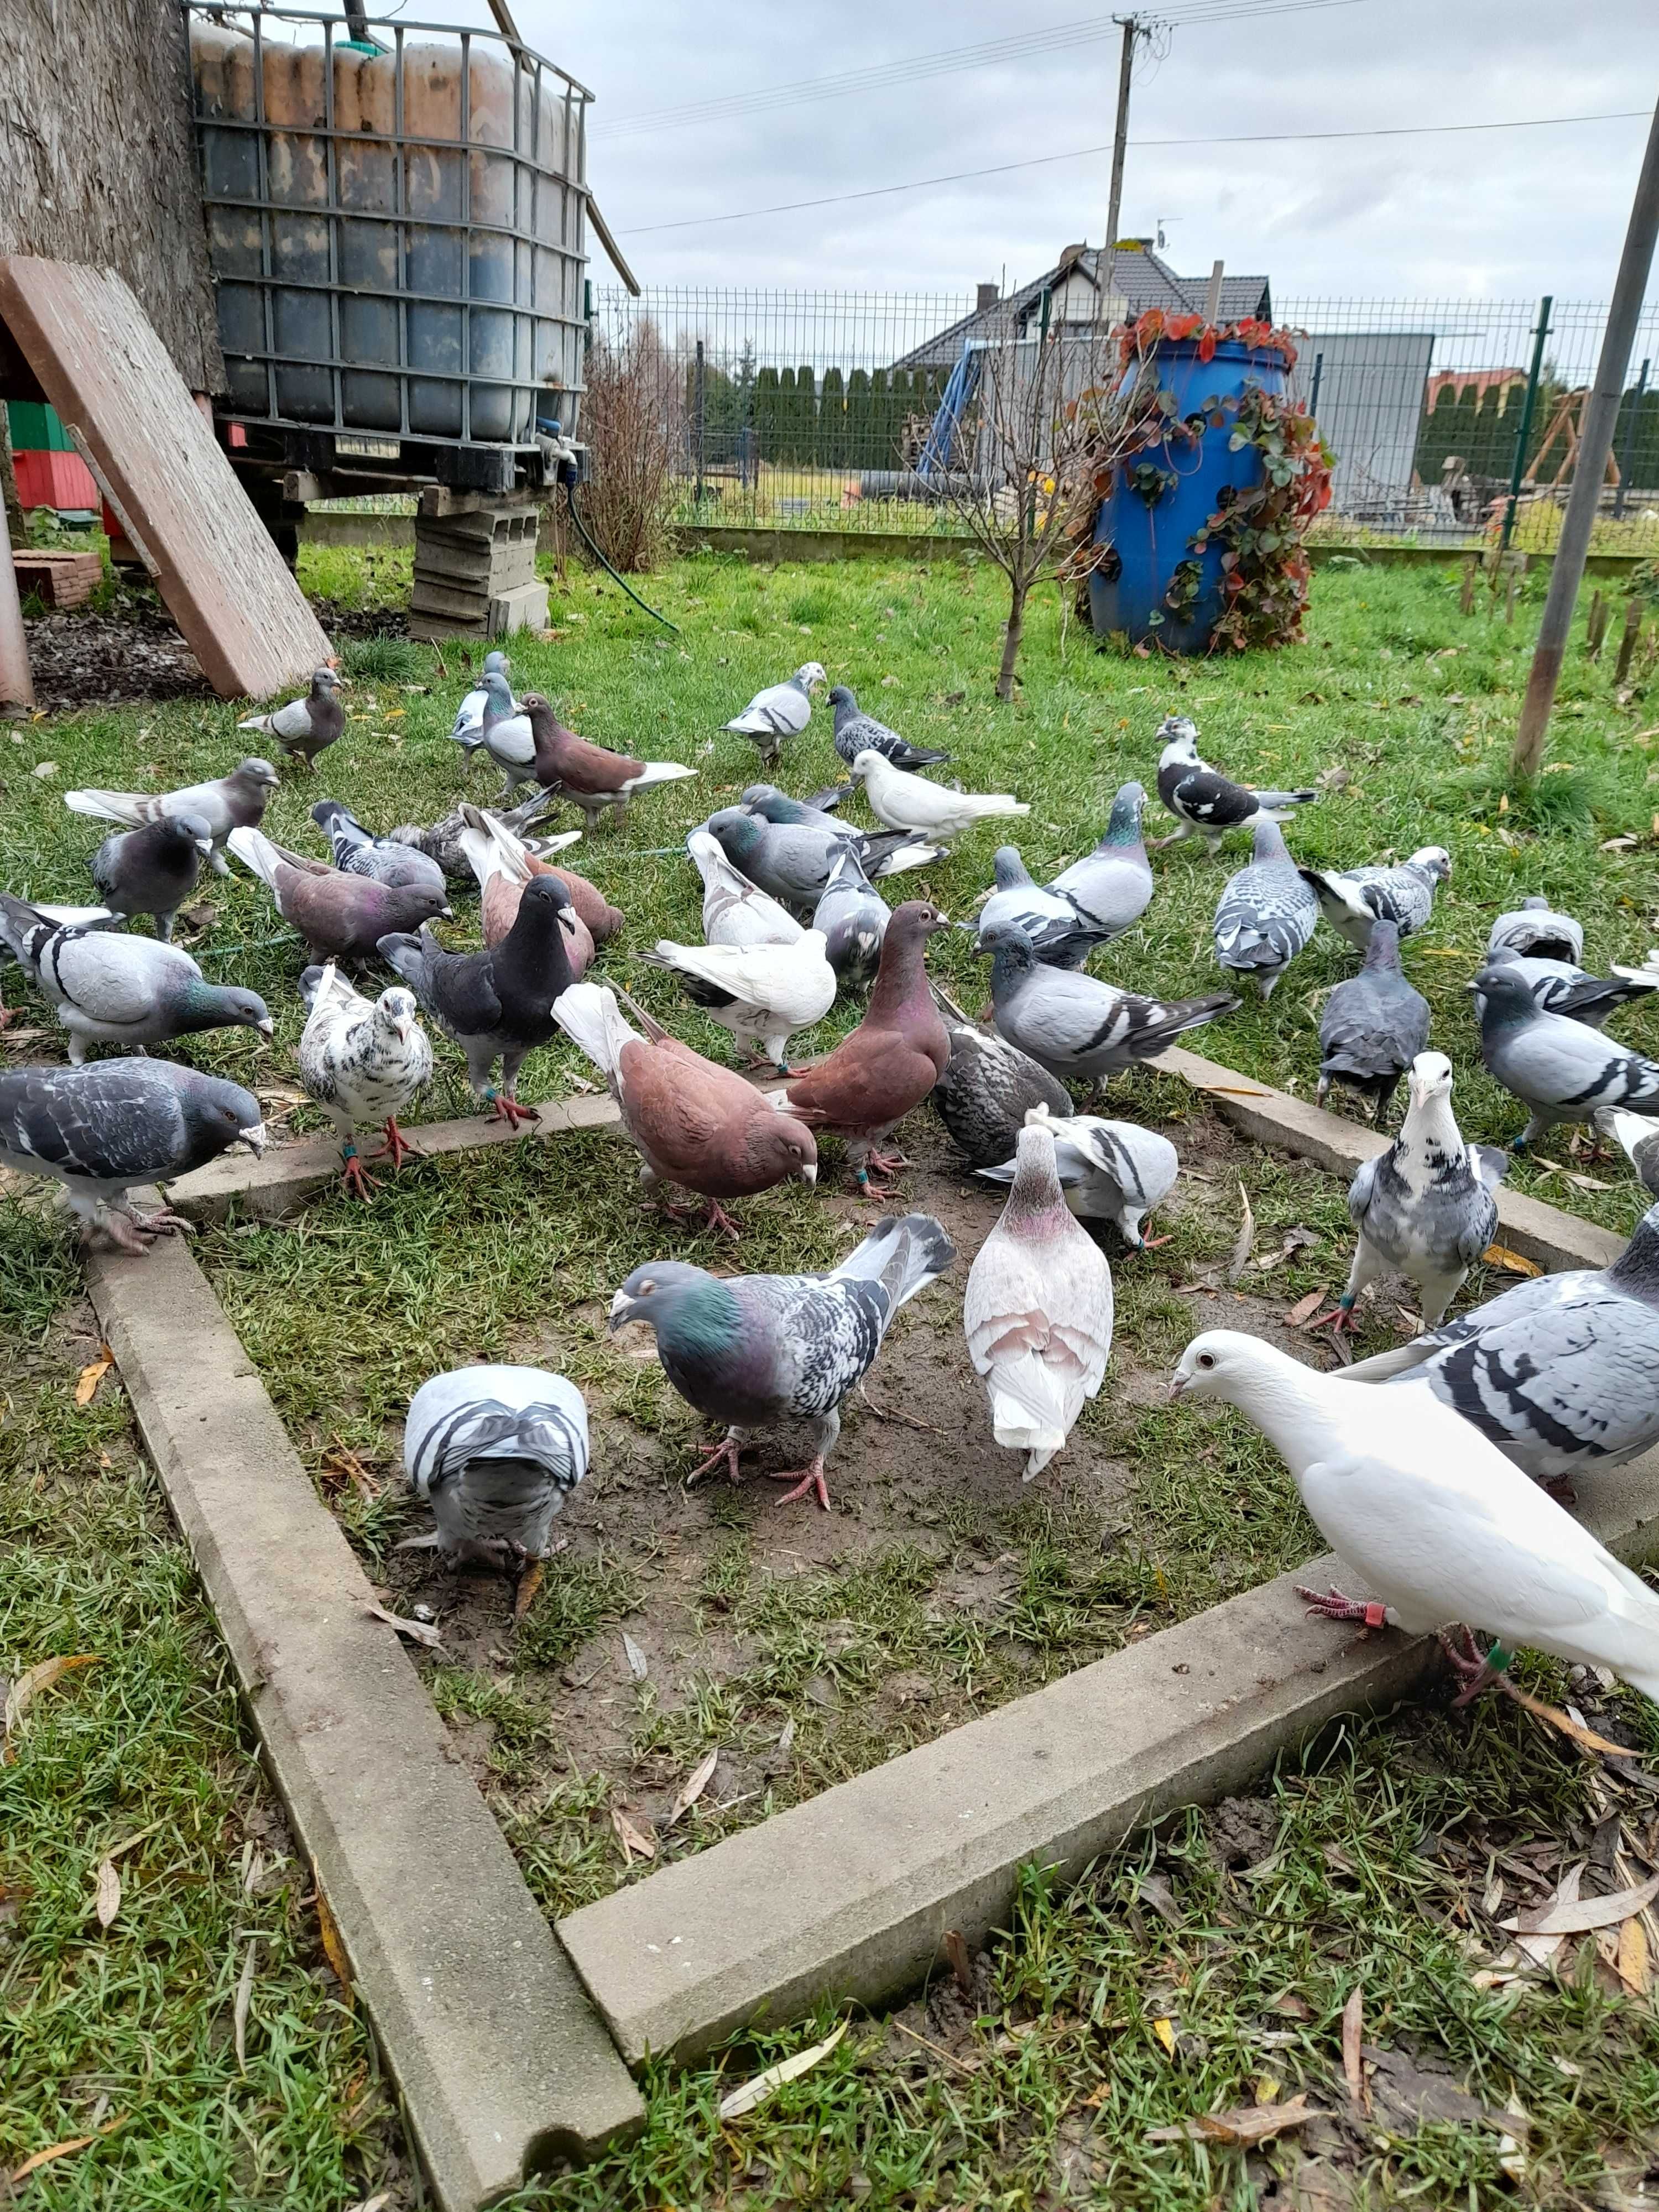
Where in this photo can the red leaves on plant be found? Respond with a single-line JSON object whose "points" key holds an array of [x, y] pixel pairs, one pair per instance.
{"points": [[1206, 346]]}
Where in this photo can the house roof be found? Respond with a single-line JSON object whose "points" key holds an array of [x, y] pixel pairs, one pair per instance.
{"points": [[1138, 276]]}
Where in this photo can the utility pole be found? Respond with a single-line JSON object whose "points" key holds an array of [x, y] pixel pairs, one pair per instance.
{"points": [[1131, 31], [1596, 442]]}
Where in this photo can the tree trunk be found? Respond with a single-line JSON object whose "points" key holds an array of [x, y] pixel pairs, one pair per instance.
{"points": [[1013, 632]]}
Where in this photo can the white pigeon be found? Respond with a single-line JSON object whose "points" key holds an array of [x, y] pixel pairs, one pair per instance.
{"points": [[911, 803], [734, 910], [362, 1063], [762, 993], [782, 710], [1443, 1530], [1113, 1171], [1037, 1312]]}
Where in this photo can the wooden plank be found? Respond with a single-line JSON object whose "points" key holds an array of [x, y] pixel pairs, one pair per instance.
{"points": [[107, 373]]}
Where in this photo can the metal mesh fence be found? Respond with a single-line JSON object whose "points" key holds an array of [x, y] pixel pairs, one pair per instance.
{"points": [[1454, 422]]}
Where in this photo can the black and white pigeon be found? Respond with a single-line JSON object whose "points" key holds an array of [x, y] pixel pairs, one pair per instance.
{"points": [[782, 710], [308, 726], [467, 728], [236, 801], [1536, 931], [1076, 1026], [1373, 1026], [1266, 913], [734, 910], [103, 1130], [795, 866], [19, 926], [854, 917], [1424, 1208], [1351, 899], [494, 1451], [1095, 900], [109, 987], [880, 852], [1560, 1070], [1561, 986], [362, 1062], [755, 1351], [1113, 1171], [497, 1004], [445, 841], [1561, 1372], [383, 859], [153, 870], [987, 1089], [857, 732], [1201, 798]]}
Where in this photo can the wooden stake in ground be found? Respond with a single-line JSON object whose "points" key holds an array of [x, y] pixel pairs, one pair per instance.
{"points": [[1517, 562], [16, 684], [1596, 626], [1628, 636], [1466, 596]]}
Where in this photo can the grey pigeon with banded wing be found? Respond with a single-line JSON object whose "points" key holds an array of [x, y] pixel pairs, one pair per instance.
{"points": [[236, 801], [362, 1063], [494, 1451], [1535, 930], [1352, 899], [854, 918], [1113, 1171], [1095, 900], [1201, 798], [755, 1351], [1076, 1026], [1561, 986], [857, 732], [1560, 1070], [1266, 913], [467, 728], [987, 1089], [782, 710], [153, 870], [1373, 1026], [358, 852]]}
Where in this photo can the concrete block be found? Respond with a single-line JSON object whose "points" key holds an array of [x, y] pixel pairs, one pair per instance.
{"points": [[522, 608], [502, 2064]]}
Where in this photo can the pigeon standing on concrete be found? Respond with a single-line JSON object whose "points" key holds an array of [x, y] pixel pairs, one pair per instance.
{"points": [[734, 910], [1536, 932], [857, 732], [1201, 798], [236, 801], [494, 1451], [782, 710], [1351, 899], [926, 810], [1113, 1171], [1560, 1070], [467, 728], [854, 917], [153, 870], [308, 726], [1075, 1025], [362, 1064], [1373, 1026], [1267, 913], [383, 859]]}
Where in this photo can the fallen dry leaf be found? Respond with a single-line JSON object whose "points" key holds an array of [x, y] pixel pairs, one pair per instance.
{"points": [[24, 1691], [691, 1790], [755, 2091], [333, 1948], [529, 1583], [90, 1377], [1246, 1237], [418, 1631], [1305, 1309], [638, 1665], [1573, 1916], [1243, 2128], [1500, 1255], [1353, 2029], [1568, 1726], [1633, 1965], [636, 1842], [1164, 2031], [962, 1965], [244, 1998], [107, 1902], [40, 2158]]}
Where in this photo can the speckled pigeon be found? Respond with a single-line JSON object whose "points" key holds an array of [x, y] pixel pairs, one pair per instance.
{"points": [[1351, 899], [1373, 1025], [857, 732], [383, 859], [1076, 1026], [308, 726], [236, 801], [494, 1451], [1267, 913], [782, 710], [987, 1089], [340, 916], [153, 870], [362, 1063], [1113, 1171], [1201, 798], [1560, 1070]]}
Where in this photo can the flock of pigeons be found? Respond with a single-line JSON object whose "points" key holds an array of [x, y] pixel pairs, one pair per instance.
{"points": [[1438, 1486]]}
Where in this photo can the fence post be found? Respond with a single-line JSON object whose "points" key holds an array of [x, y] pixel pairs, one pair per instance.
{"points": [[1466, 596], [697, 419], [1627, 642], [1628, 455], [1596, 626], [1518, 466]]}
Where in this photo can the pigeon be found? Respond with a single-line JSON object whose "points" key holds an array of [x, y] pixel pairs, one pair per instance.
{"points": [[308, 726], [362, 1063], [1267, 913], [340, 916], [494, 1451], [441, 842], [1077, 1026], [753, 1351], [987, 1089], [691, 1122], [467, 728], [775, 805], [1561, 1372], [853, 916], [497, 1004], [587, 775], [236, 801], [1113, 1171], [864, 1089], [1201, 798], [1374, 1024], [1638, 1139], [1037, 1313], [795, 867], [101, 1129], [762, 993], [1559, 1069], [504, 734], [15, 933], [1090, 903], [1535, 931], [734, 910], [857, 732], [503, 867], [110, 989], [879, 851], [383, 859], [782, 710], [1441, 1527], [153, 870], [1351, 899], [1424, 1208], [924, 809], [1561, 986]]}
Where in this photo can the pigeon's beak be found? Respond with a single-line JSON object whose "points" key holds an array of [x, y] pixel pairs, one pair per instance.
{"points": [[1178, 1383], [203, 845], [807, 1173], [267, 1028], [254, 1138], [622, 1312], [403, 1025], [447, 913]]}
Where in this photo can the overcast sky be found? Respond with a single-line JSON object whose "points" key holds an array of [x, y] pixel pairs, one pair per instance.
{"points": [[1499, 214]]}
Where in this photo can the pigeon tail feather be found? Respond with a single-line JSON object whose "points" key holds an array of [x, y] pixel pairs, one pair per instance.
{"points": [[590, 1017], [904, 1253], [255, 851]]}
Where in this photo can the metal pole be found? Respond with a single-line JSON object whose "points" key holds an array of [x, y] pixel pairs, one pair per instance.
{"points": [[1318, 375], [698, 419], [1518, 467], [16, 686], [1626, 458], [1594, 442], [1120, 141]]}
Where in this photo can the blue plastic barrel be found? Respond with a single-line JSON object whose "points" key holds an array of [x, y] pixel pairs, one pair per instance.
{"points": [[1164, 495]]}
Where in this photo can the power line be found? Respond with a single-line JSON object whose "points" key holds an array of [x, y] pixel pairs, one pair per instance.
{"points": [[1085, 153]]}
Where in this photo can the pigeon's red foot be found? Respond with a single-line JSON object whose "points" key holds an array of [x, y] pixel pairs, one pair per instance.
{"points": [[804, 1479], [161, 1222], [719, 1219], [1331, 1605], [503, 1108], [1560, 1488], [8, 1014], [122, 1230], [397, 1147], [725, 1455], [1341, 1317], [886, 1163], [1476, 1671], [1151, 1243], [355, 1178]]}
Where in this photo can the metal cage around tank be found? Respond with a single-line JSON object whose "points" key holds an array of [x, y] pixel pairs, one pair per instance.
{"points": [[396, 227]]}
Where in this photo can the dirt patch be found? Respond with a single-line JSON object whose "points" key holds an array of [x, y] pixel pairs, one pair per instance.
{"points": [[130, 651]]}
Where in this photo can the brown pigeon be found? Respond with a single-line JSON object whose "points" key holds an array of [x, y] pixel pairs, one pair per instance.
{"points": [[340, 916], [588, 775], [891, 1061], [503, 865], [693, 1123]]}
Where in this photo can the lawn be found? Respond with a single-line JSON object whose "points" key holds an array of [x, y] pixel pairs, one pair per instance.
{"points": [[1180, 1976]]}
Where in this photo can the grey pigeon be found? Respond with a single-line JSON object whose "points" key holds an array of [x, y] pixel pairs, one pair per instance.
{"points": [[494, 1451], [153, 870], [1560, 1070], [467, 728], [880, 852], [504, 734], [236, 801], [753, 1351], [110, 989], [782, 710], [308, 726], [1076, 1026], [1267, 913], [1374, 1024], [497, 1004], [1638, 1139], [382, 860], [795, 866], [857, 732], [1424, 1208], [443, 841], [1351, 899], [854, 917], [1090, 903], [362, 1063], [1201, 798], [17, 927], [1561, 986], [1113, 1171], [987, 1089], [1534, 930], [101, 1130], [1561, 1372]]}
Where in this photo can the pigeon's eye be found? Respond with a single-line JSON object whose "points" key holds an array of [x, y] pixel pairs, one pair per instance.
{"points": [[645, 1290], [1206, 1359]]}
